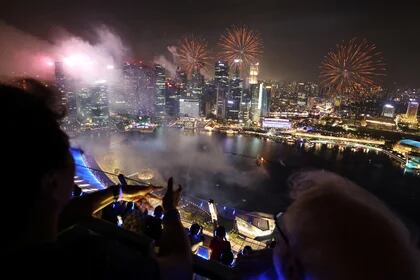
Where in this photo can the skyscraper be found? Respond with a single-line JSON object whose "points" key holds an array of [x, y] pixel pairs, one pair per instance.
{"points": [[99, 104], [136, 98], [93, 105], [412, 108], [259, 103], [172, 99], [160, 82], [68, 97], [221, 82], [181, 81], [253, 73], [233, 100]]}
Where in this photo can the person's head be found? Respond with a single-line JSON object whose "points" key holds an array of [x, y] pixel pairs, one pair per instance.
{"points": [[336, 230], [38, 170], [158, 212], [220, 232], [195, 229], [247, 250], [226, 257]]}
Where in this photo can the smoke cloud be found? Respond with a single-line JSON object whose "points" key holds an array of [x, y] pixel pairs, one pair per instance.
{"points": [[168, 64], [198, 162], [23, 54]]}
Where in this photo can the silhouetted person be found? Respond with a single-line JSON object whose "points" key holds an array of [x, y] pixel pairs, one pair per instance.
{"points": [[39, 173], [219, 244], [195, 236], [153, 224]]}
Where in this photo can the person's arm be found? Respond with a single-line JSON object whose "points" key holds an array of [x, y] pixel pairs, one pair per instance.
{"points": [[174, 258], [80, 208]]}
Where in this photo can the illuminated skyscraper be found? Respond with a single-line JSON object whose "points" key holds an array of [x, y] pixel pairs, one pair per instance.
{"points": [[412, 108], [259, 103], [137, 96], [233, 100], [173, 94], [253, 73], [388, 111], [221, 81], [160, 82], [99, 104], [93, 105], [181, 81], [68, 97]]}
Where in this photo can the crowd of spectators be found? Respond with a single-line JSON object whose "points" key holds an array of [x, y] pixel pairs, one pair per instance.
{"points": [[332, 230]]}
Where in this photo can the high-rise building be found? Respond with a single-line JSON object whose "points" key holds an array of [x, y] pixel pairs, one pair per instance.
{"points": [[160, 82], [253, 73], [93, 105], [189, 108], [100, 104], [233, 100], [181, 81], [221, 82], [259, 103], [173, 94], [68, 97], [412, 108], [388, 111], [137, 96], [197, 84]]}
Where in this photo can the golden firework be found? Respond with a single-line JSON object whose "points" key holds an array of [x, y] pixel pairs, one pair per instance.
{"points": [[354, 67], [241, 45], [193, 54]]}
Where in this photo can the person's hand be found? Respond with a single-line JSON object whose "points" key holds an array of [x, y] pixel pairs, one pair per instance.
{"points": [[171, 199], [134, 193]]}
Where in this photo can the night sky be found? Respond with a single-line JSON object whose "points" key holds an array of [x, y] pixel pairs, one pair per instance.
{"points": [[296, 36]]}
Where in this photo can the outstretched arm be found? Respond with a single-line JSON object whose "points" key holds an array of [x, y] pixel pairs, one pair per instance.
{"points": [[175, 258], [85, 206]]}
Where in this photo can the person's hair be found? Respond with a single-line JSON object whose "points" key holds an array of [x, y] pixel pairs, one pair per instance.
{"points": [[227, 257], [220, 232], [337, 230], [32, 143], [247, 250], [195, 229], [158, 211]]}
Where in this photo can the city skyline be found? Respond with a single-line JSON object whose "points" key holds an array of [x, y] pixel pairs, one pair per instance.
{"points": [[296, 37]]}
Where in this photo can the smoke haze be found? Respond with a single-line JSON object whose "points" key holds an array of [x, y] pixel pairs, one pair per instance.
{"points": [[23, 54]]}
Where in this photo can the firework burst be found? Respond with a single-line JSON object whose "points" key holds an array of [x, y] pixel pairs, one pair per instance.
{"points": [[193, 54], [241, 44], [355, 66]]}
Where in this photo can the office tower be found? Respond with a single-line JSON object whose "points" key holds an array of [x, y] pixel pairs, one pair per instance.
{"points": [[259, 103], [221, 82], [234, 96], [160, 82]]}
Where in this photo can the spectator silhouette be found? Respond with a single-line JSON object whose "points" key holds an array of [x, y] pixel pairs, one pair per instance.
{"points": [[38, 148], [219, 244], [195, 236], [153, 224]]}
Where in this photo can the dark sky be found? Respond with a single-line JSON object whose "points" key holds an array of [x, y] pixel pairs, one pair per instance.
{"points": [[296, 36]]}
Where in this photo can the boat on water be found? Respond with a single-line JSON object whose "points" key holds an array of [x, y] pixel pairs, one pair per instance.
{"points": [[231, 131], [141, 129]]}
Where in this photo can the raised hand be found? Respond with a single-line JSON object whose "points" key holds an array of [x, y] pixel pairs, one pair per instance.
{"points": [[171, 199]]}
